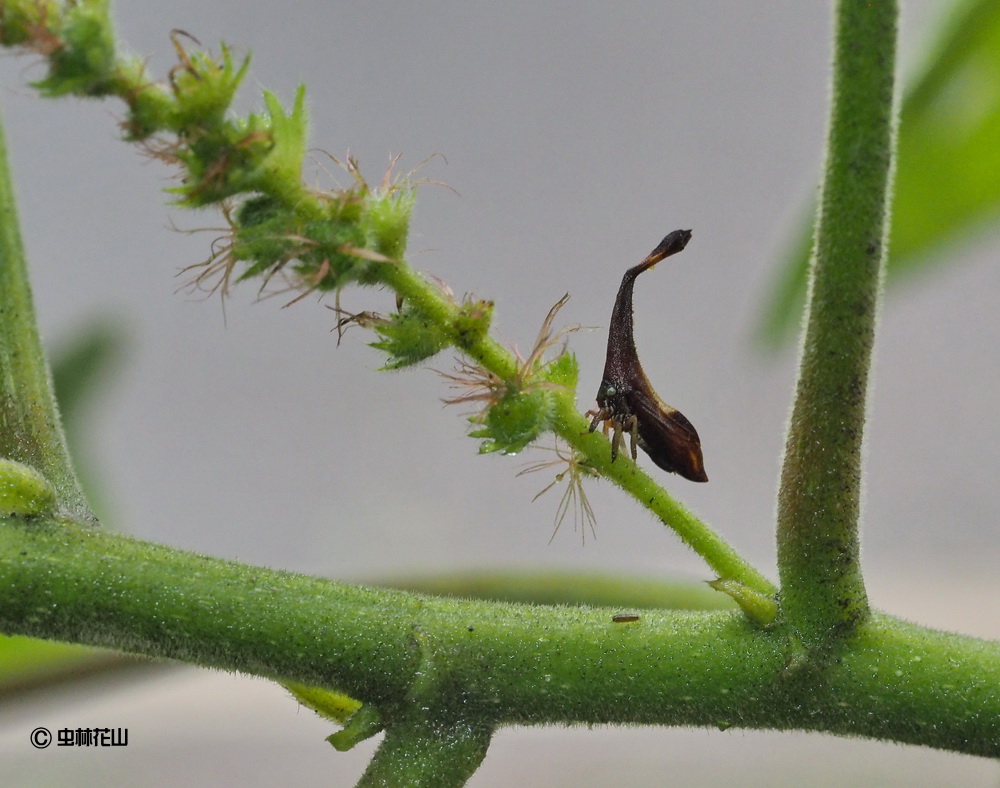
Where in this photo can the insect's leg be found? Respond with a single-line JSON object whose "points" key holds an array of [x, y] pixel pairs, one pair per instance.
{"points": [[617, 440], [632, 427]]}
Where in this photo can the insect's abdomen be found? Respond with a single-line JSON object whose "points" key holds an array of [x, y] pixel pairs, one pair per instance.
{"points": [[669, 439]]}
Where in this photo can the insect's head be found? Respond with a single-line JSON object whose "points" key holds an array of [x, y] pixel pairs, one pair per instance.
{"points": [[672, 244], [606, 391]]}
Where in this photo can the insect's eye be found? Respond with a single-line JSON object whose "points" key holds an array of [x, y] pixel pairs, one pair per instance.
{"points": [[606, 390]]}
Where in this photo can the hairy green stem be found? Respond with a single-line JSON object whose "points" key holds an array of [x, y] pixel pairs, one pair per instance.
{"points": [[466, 661], [30, 429], [823, 590], [432, 301], [718, 554], [427, 753]]}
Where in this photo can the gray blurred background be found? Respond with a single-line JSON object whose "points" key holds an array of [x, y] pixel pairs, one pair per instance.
{"points": [[576, 136]]}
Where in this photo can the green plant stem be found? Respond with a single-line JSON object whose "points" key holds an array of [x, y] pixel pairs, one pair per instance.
{"points": [[945, 185], [432, 301], [30, 429], [425, 752], [549, 587], [718, 554], [893, 680], [822, 589]]}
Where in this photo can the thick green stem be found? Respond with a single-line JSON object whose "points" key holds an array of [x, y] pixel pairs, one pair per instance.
{"points": [[468, 661], [823, 591], [30, 429]]}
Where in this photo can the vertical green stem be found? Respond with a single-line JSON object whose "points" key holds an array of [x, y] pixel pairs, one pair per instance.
{"points": [[819, 500], [30, 429]]}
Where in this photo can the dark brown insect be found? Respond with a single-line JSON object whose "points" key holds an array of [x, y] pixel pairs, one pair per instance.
{"points": [[625, 618], [626, 400]]}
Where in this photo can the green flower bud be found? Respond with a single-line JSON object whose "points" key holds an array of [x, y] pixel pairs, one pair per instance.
{"points": [[22, 19], [563, 371], [204, 89], [408, 338], [514, 422], [387, 216], [473, 321], [85, 63]]}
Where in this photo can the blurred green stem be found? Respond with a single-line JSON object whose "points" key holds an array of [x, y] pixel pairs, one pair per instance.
{"points": [[30, 429]]}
